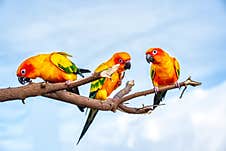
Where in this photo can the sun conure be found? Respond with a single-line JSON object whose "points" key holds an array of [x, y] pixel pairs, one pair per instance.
{"points": [[53, 67], [103, 87], [165, 70]]}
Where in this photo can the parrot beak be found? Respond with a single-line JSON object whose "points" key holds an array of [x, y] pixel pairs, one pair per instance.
{"points": [[24, 80], [127, 65], [149, 58]]}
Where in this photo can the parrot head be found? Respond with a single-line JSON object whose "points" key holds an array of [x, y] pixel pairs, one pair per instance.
{"points": [[25, 72], [155, 55], [123, 59]]}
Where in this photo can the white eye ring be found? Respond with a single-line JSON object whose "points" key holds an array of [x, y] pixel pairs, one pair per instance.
{"points": [[154, 52], [23, 71], [120, 61]]}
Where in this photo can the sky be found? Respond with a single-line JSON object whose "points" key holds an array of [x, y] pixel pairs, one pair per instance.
{"points": [[91, 31]]}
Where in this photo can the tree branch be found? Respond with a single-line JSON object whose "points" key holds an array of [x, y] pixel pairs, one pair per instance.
{"points": [[38, 89], [109, 104], [169, 87], [56, 91], [148, 109], [134, 110]]}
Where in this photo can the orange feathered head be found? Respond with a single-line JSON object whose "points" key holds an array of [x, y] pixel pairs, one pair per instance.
{"points": [[123, 59], [25, 71], [155, 55]]}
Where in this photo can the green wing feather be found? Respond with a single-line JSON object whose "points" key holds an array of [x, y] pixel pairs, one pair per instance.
{"points": [[60, 59], [97, 84]]}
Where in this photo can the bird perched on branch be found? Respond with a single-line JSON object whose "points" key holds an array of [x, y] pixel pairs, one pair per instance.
{"points": [[165, 70], [103, 87], [53, 67]]}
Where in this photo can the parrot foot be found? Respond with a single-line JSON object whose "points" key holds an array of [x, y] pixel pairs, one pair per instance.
{"points": [[156, 89], [150, 111], [68, 82], [43, 85], [119, 83]]}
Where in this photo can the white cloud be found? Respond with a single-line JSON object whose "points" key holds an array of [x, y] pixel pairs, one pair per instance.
{"points": [[201, 114], [194, 123], [191, 31]]}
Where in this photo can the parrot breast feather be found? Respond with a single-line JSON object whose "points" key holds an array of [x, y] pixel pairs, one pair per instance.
{"points": [[60, 60]]}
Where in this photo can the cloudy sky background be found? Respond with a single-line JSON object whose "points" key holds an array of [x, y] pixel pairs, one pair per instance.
{"points": [[193, 31]]}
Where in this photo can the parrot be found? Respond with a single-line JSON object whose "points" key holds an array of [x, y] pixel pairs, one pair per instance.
{"points": [[100, 89], [164, 70], [53, 67]]}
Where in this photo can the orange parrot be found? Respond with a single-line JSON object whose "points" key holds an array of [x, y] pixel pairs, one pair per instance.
{"points": [[53, 67], [165, 70], [103, 87]]}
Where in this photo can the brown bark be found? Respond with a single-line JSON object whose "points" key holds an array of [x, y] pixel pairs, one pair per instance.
{"points": [[37, 89], [56, 91]]}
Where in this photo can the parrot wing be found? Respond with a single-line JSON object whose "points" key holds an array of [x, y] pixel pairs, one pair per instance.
{"points": [[60, 60], [95, 86], [177, 67], [152, 73]]}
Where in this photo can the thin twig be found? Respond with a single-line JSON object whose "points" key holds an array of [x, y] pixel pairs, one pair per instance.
{"points": [[146, 109], [168, 87]]}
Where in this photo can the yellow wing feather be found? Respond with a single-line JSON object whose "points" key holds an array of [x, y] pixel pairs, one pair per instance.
{"points": [[177, 67], [60, 59]]}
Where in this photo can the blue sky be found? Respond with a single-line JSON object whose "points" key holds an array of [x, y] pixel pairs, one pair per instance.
{"points": [[193, 31]]}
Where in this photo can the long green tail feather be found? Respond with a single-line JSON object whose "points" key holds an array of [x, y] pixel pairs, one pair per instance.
{"points": [[91, 116]]}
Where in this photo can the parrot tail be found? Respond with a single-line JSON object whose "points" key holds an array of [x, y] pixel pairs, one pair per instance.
{"points": [[76, 91], [158, 98], [81, 71], [91, 116]]}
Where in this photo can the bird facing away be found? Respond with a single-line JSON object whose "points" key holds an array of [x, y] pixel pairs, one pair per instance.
{"points": [[164, 70], [54, 67], [103, 87]]}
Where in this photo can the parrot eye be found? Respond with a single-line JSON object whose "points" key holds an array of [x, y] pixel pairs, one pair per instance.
{"points": [[154, 52], [23, 71], [120, 60]]}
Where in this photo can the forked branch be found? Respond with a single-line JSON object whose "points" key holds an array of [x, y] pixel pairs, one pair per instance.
{"points": [[57, 91]]}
